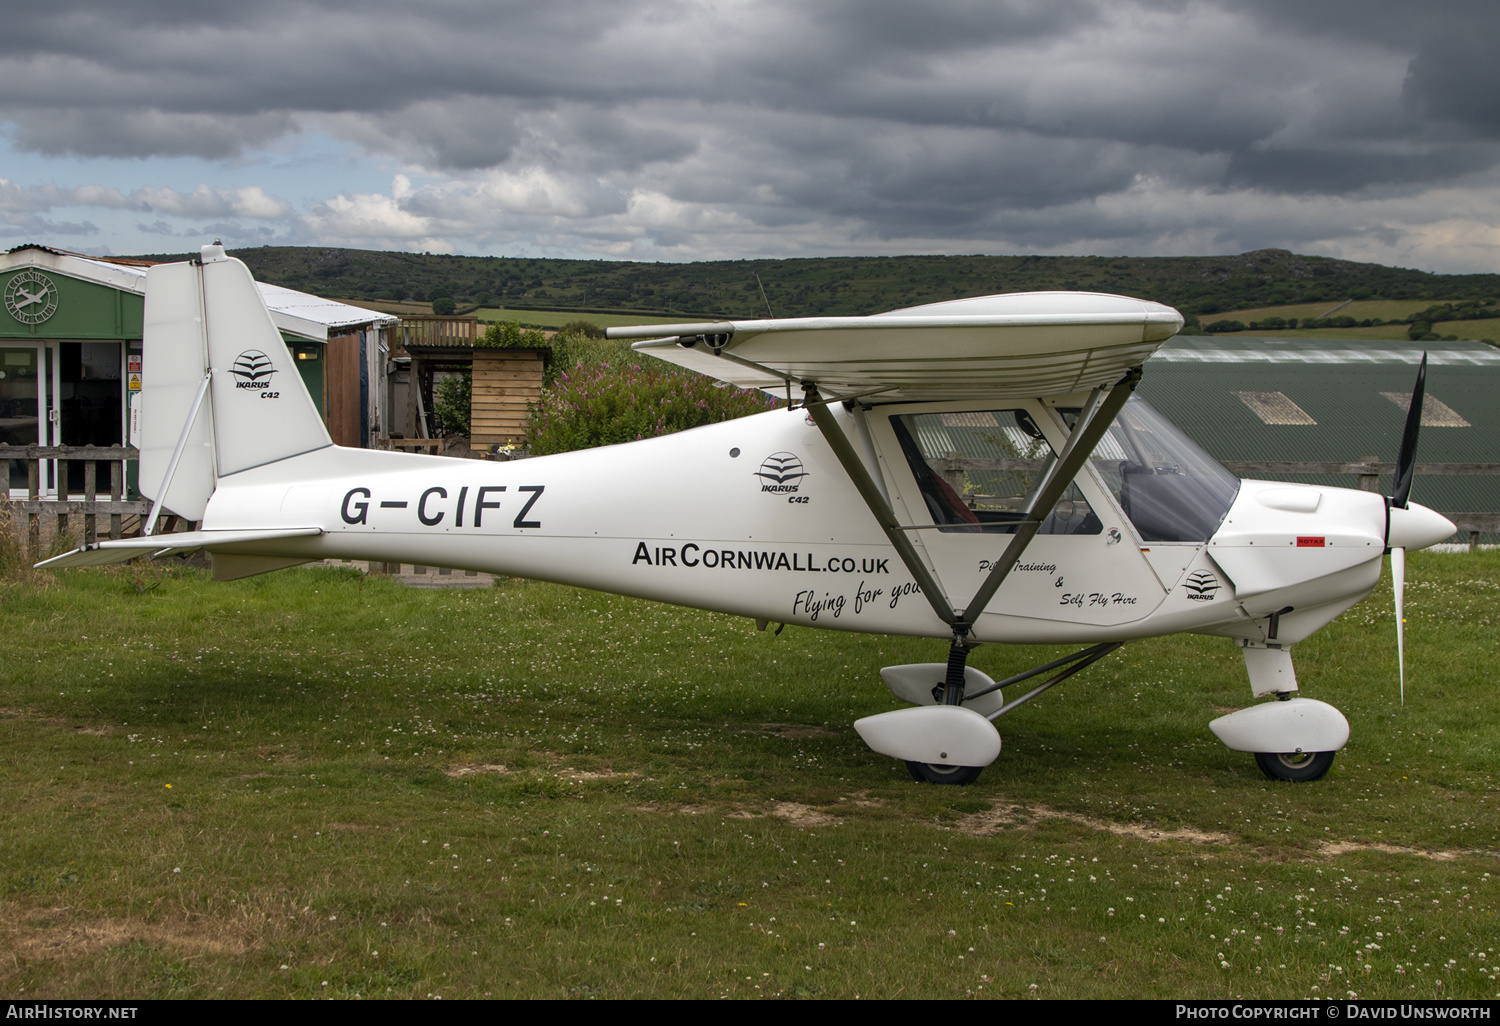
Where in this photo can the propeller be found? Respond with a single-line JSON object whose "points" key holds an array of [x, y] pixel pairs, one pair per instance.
{"points": [[1400, 499]]}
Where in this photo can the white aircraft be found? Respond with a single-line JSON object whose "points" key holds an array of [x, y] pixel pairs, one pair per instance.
{"points": [[1089, 519]]}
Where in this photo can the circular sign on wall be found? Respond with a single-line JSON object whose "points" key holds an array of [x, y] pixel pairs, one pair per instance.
{"points": [[31, 297]]}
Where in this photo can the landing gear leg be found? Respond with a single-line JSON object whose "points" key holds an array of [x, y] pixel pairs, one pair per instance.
{"points": [[949, 692], [1293, 739]]}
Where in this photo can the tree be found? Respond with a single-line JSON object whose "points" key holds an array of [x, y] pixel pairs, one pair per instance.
{"points": [[452, 400], [443, 306], [604, 405]]}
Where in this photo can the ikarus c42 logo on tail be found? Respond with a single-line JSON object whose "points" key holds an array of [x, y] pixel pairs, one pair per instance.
{"points": [[253, 368]]}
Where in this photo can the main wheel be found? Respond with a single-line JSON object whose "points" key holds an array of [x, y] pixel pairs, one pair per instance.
{"points": [[1296, 767], [937, 773]]}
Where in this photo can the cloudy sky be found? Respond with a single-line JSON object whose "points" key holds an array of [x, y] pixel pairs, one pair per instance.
{"points": [[702, 129]]}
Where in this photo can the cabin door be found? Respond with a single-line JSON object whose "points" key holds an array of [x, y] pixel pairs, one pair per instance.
{"points": [[961, 475]]}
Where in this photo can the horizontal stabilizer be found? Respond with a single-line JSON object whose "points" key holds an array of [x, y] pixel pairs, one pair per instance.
{"points": [[123, 549]]}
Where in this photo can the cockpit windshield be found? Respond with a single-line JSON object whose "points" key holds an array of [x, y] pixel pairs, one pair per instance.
{"points": [[1171, 490]]}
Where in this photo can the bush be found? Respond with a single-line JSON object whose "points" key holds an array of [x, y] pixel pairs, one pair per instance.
{"points": [[510, 335], [604, 405], [588, 329], [452, 399], [1218, 326]]}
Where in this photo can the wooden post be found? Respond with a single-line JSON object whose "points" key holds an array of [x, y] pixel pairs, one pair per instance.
{"points": [[1370, 481], [33, 518], [62, 495], [1473, 541], [116, 490], [411, 398], [90, 526], [953, 472]]}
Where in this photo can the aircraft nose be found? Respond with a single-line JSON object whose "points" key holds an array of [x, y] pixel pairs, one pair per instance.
{"points": [[1417, 527]]}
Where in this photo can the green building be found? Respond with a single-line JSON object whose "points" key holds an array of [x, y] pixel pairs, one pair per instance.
{"points": [[1338, 401]]}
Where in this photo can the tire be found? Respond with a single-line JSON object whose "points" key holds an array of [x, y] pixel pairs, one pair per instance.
{"points": [[1295, 767], [937, 773]]}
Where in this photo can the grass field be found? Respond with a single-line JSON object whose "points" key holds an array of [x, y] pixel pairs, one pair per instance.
{"points": [[1360, 309], [319, 784]]}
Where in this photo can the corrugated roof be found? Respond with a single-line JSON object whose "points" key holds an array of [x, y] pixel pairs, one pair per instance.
{"points": [[316, 310], [296, 313], [1196, 381], [1241, 349]]}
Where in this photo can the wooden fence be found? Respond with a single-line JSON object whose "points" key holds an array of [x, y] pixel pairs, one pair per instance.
{"points": [[89, 504], [435, 331]]}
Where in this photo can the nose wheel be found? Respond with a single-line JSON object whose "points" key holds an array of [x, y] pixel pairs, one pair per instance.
{"points": [[937, 773], [1296, 767]]}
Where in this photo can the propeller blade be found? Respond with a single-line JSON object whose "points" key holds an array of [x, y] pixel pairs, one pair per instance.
{"points": [[1398, 587], [1407, 461]]}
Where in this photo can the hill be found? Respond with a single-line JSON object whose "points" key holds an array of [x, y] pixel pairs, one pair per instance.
{"points": [[1200, 286]]}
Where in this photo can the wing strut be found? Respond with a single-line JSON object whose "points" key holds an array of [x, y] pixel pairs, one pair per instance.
{"points": [[1097, 418], [855, 468]]}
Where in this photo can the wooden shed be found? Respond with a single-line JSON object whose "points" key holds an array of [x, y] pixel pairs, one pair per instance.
{"points": [[506, 382]]}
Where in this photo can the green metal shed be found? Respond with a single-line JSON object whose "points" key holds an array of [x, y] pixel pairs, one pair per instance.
{"points": [[1337, 401]]}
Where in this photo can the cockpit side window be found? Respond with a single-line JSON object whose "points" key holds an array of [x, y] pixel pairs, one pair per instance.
{"points": [[979, 471], [1171, 490]]}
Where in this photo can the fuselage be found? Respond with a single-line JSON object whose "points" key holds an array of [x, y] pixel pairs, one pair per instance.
{"points": [[755, 517]]}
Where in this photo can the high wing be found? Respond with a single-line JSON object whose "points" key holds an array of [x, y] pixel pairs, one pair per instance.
{"points": [[1019, 346], [1022, 345]]}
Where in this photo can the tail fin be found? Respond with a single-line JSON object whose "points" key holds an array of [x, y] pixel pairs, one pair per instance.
{"points": [[221, 393]]}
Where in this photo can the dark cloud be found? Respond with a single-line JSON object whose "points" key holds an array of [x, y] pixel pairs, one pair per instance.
{"points": [[1457, 79], [877, 119], [125, 131], [1319, 171]]}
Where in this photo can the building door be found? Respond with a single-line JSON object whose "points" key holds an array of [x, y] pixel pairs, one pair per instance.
{"points": [[28, 410], [90, 391]]}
